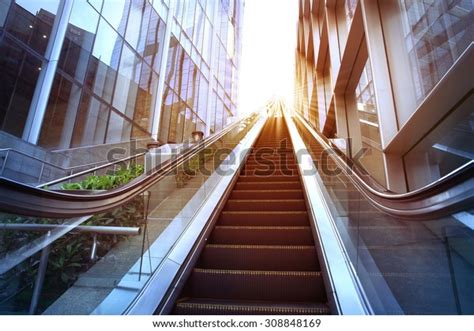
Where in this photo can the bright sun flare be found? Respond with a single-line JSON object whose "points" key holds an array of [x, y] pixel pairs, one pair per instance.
{"points": [[268, 53]]}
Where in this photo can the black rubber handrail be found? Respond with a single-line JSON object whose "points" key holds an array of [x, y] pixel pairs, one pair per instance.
{"points": [[21, 199], [449, 194]]}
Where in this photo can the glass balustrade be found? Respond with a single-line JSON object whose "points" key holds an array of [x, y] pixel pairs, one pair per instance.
{"points": [[70, 266], [405, 267]]}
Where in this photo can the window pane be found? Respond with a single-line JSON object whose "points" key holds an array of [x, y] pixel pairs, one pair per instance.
{"points": [[116, 13], [32, 22], [435, 35], [4, 6], [349, 9], [219, 115], [199, 28], [147, 87], [189, 125], [119, 129], [107, 45], [103, 66], [61, 114], [138, 24], [79, 39], [127, 82], [19, 72], [203, 94], [188, 17], [447, 147], [213, 111], [207, 45], [91, 122], [165, 115], [177, 122], [369, 125], [97, 4], [155, 36]]}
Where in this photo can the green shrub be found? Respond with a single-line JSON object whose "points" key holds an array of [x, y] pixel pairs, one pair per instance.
{"points": [[70, 254], [106, 182]]}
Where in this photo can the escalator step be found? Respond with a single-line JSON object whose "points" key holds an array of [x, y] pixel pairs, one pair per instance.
{"points": [[275, 218], [285, 157], [265, 185], [258, 285], [294, 178], [261, 205], [269, 171], [198, 306], [260, 257], [269, 151], [267, 194], [262, 235], [276, 159], [265, 162], [249, 166]]}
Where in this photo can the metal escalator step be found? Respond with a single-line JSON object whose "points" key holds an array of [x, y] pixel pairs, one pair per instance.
{"points": [[267, 204], [202, 306], [258, 285], [260, 257], [262, 235], [294, 178], [249, 166], [266, 185], [265, 173], [267, 194], [262, 218], [273, 164], [269, 171]]}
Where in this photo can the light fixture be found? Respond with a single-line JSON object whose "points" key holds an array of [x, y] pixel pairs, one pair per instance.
{"points": [[45, 36], [152, 145], [197, 136], [30, 26]]}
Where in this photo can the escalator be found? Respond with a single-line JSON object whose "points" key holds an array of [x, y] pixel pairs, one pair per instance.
{"points": [[412, 252], [260, 257], [264, 238]]}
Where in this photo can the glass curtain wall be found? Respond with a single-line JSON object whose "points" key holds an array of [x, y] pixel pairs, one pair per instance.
{"points": [[107, 75], [369, 125], [200, 83], [25, 33], [184, 106], [436, 33]]}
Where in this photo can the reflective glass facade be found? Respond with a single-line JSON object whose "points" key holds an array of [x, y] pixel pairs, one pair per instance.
{"points": [[369, 124], [436, 33], [25, 32], [125, 69], [375, 74]]}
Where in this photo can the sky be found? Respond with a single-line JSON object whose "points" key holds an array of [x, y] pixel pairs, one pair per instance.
{"points": [[268, 52]]}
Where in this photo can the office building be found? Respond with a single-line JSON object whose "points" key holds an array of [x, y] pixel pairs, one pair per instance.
{"points": [[78, 73]]}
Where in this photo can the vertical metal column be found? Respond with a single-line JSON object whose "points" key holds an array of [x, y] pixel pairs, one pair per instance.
{"points": [[162, 74], [386, 110], [40, 277], [146, 198], [39, 103], [213, 65]]}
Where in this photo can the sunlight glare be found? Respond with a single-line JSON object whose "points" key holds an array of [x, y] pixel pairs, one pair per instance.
{"points": [[268, 53]]}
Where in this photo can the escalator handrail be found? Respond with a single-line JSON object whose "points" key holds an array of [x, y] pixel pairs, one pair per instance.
{"points": [[68, 169], [91, 170], [19, 198], [402, 204]]}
